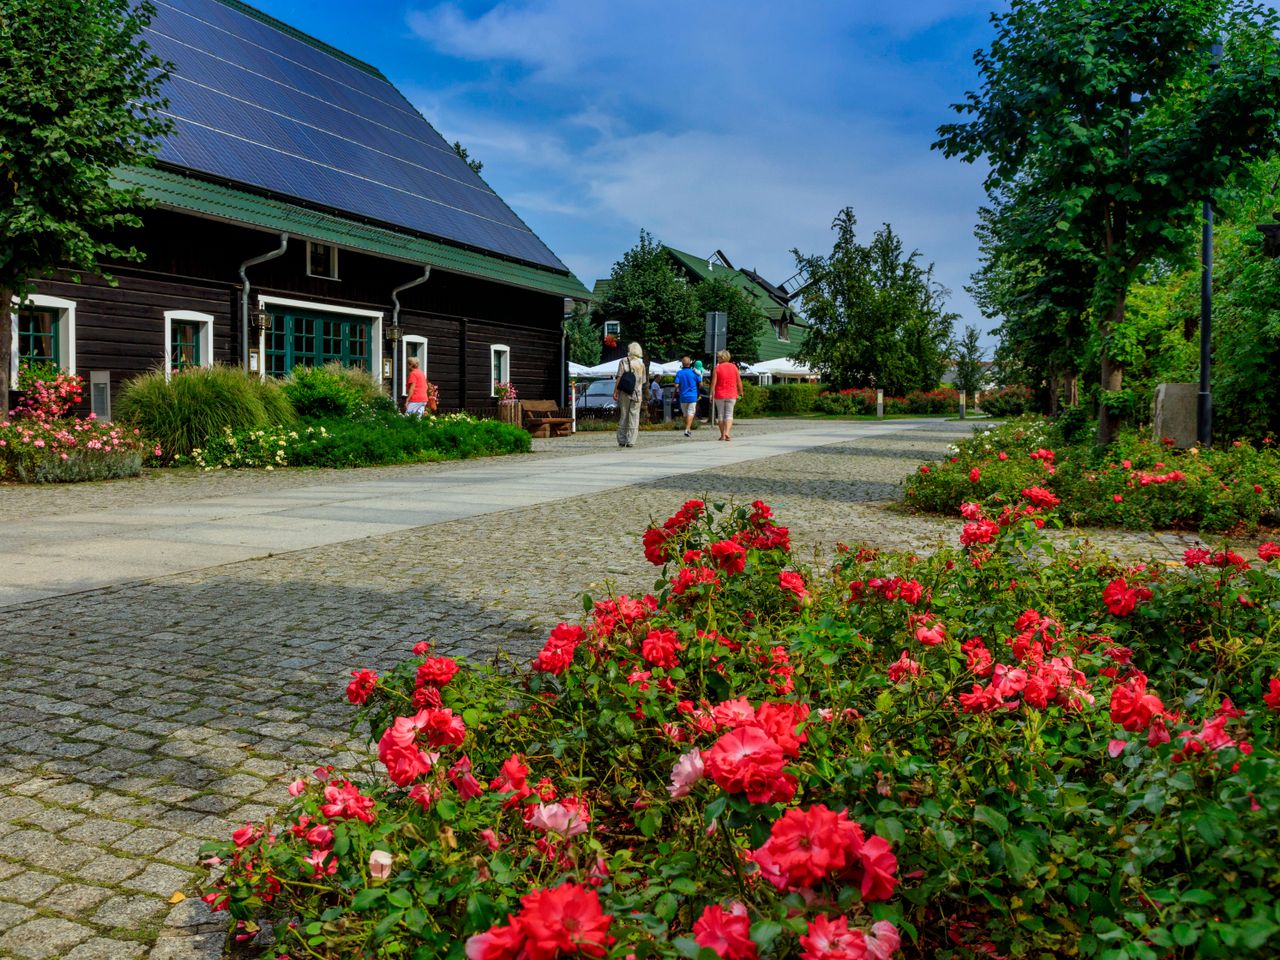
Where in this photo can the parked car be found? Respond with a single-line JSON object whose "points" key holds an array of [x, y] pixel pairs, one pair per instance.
{"points": [[598, 399]]}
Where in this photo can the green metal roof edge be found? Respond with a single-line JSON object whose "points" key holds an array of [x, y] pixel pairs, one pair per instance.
{"points": [[169, 189], [306, 38], [764, 303]]}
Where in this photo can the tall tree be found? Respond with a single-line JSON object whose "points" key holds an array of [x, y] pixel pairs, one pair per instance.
{"points": [[968, 358], [1111, 112], [583, 336], [653, 305], [746, 321], [876, 316], [81, 96]]}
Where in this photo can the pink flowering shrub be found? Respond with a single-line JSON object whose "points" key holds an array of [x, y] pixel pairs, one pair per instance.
{"points": [[40, 450], [1135, 482], [998, 751]]}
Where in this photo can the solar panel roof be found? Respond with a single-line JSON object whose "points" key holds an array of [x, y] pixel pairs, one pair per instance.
{"points": [[259, 104]]}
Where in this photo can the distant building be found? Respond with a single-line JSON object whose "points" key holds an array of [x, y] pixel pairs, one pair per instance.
{"points": [[306, 213], [785, 330]]}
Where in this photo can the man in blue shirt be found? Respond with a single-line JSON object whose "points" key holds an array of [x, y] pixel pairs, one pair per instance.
{"points": [[687, 393]]}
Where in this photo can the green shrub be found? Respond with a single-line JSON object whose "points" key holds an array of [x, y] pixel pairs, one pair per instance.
{"points": [[319, 393], [753, 401], [792, 398], [375, 441], [183, 411], [847, 403], [1006, 402]]}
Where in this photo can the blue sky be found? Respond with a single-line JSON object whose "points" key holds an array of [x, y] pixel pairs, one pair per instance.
{"points": [[743, 126]]}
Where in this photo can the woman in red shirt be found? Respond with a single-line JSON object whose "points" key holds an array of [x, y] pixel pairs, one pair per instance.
{"points": [[726, 390], [416, 399]]}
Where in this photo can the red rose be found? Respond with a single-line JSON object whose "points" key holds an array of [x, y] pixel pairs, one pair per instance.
{"points": [[727, 932], [656, 550], [358, 690], [729, 556], [659, 648], [975, 475], [748, 760], [1268, 550], [564, 921], [1132, 707], [1272, 699], [437, 671]]}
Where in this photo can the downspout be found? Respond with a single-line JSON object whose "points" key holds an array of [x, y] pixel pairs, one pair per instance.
{"points": [[244, 301], [394, 333]]}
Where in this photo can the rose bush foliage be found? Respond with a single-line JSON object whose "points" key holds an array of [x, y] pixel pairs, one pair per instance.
{"points": [[1133, 483], [1003, 750]]}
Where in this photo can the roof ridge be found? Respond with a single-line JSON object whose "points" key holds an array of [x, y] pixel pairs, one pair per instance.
{"points": [[306, 38]]}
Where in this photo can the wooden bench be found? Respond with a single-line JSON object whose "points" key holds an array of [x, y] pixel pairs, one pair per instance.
{"points": [[543, 418]]}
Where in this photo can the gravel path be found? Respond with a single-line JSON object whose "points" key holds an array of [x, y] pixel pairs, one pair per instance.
{"points": [[138, 721]]}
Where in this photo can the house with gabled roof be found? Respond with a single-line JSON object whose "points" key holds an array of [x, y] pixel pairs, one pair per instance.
{"points": [[305, 212], [786, 330]]}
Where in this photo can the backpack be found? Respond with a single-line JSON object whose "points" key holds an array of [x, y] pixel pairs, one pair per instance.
{"points": [[627, 382]]}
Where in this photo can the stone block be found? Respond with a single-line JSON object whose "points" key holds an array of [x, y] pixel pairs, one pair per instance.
{"points": [[44, 937], [1174, 415]]}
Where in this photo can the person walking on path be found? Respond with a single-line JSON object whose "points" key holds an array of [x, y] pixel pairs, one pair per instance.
{"points": [[726, 390], [655, 400], [687, 393], [628, 392], [416, 390]]}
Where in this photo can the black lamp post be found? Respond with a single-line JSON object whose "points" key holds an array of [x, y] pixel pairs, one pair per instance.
{"points": [[1204, 399]]}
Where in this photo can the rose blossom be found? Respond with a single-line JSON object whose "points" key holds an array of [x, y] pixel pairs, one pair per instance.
{"points": [[727, 932], [380, 864], [688, 770]]}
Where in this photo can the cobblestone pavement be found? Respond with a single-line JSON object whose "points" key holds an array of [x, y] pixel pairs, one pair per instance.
{"points": [[137, 722]]}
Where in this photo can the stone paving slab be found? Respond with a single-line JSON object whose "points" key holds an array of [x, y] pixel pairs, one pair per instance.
{"points": [[140, 720]]}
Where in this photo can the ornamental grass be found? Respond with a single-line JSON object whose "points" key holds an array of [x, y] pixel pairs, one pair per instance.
{"points": [[183, 411], [1001, 750]]}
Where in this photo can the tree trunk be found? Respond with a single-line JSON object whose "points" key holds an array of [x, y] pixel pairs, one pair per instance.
{"points": [[6, 352], [1112, 375]]}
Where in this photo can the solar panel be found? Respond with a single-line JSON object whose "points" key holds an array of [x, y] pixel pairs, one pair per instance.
{"points": [[253, 104]]}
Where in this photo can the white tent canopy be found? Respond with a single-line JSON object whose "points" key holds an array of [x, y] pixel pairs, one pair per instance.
{"points": [[610, 368], [577, 369], [784, 368]]}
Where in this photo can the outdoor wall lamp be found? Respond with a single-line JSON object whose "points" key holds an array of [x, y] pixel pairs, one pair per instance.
{"points": [[394, 332], [263, 320]]}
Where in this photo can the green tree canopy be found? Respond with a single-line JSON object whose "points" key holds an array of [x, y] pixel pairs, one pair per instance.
{"points": [[1106, 114], [876, 316], [654, 306], [81, 96], [968, 358], [583, 337], [746, 321]]}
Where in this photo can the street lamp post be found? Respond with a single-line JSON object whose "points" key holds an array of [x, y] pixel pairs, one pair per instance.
{"points": [[1204, 399]]}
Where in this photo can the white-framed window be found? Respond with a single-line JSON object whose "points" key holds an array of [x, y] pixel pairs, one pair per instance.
{"points": [[499, 366], [322, 260], [188, 339], [312, 333], [784, 335], [612, 328], [43, 330], [415, 348]]}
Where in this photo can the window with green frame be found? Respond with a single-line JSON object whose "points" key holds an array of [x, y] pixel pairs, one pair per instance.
{"points": [[39, 335], [184, 344], [312, 340]]}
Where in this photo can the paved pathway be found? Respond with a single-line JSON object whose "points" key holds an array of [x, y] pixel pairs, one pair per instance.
{"points": [[140, 719]]}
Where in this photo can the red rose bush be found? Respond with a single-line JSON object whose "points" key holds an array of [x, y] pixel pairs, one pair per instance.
{"points": [[1002, 750]]}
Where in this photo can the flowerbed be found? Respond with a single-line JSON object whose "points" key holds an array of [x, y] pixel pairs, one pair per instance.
{"points": [[860, 401], [377, 439], [1134, 483], [1000, 751], [42, 444]]}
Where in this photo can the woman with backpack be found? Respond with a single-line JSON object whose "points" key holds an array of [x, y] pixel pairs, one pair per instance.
{"points": [[628, 391]]}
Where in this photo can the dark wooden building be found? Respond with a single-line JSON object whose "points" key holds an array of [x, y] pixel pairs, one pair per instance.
{"points": [[305, 212]]}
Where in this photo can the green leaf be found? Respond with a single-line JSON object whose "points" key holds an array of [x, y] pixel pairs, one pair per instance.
{"points": [[366, 898], [765, 932], [992, 818]]}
